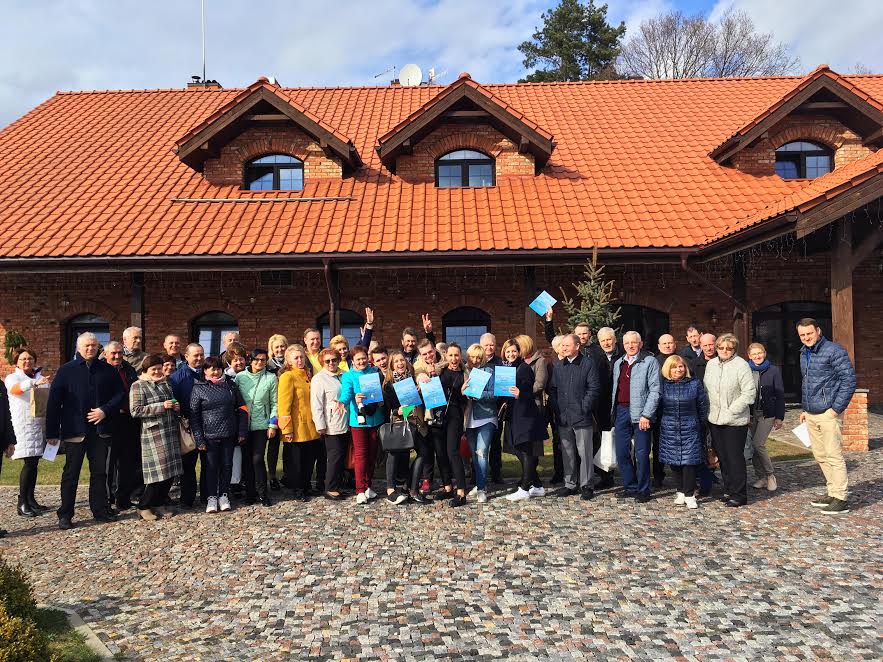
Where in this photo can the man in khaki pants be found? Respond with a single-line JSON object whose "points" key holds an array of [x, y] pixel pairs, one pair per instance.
{"points": [[827, 388]]}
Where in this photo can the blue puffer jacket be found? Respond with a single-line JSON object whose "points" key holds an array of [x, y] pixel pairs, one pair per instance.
{"points": [[828, 377], [643, 387], [683, 408]]}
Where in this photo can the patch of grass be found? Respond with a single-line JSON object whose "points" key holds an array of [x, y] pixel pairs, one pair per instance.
{"points": [[65, 643]]}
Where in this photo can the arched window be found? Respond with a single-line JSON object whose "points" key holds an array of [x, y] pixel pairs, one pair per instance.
{"points": [[274, 172], [350, 327], [776, 328], [464, 167], [649, 322], [465, 325], [803, 160], [209, 330], [87, 322]]}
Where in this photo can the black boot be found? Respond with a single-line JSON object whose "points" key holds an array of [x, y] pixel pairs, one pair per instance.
{"points": [[32, 499], [24, 508]]}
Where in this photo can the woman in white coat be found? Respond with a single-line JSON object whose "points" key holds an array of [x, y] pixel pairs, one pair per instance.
{"points": [[29, 435]]}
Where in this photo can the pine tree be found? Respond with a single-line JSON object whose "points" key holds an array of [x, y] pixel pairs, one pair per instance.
{"points": [[594, 301], [575, 43]]}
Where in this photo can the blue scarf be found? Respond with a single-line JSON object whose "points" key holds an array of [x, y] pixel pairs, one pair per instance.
{"points": [[759, 368]]}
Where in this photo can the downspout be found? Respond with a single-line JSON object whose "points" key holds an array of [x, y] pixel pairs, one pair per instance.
{"points": [[331, 283]]}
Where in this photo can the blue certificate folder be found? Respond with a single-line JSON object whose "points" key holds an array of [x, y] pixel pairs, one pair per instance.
{"points": [[433, 393], [369, 386], [406, 391], [504, 379], [542, 303], [478, 379]]}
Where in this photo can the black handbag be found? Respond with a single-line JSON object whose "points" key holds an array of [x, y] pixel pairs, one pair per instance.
{"points": [[396, 436]]}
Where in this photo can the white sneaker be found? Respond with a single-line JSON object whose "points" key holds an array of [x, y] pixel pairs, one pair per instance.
{"points": [[680, 498], [518, 495], [481, 496], [371, 494], [537, 491], [473, 491], [224, 503], [771, 484], [691, 502], [361, 498], [212, 505]]}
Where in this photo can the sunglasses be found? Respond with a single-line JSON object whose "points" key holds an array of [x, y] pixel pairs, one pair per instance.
{"points": [[330, 361]]}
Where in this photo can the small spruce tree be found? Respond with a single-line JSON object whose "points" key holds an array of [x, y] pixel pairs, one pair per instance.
{"points": [[594, 301]]}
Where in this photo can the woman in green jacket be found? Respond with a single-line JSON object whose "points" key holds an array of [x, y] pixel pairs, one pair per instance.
{"points": [[259, 390]]}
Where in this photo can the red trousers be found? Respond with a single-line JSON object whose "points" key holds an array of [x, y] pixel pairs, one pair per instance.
{"points": [[366, 444]]}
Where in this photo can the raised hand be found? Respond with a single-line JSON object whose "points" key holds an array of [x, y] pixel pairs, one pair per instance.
{"points": [[549, 315], [427, 323], [369, 315]]}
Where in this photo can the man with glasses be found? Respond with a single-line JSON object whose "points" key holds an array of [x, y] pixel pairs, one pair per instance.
{"points": [[181, 382], [828, 384]]}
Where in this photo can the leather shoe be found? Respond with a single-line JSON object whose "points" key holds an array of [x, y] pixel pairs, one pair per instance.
{"points": [[64, 523], [24, 510], [105, 517], [275, 485], [605, 483], [643, 498], [566, 492], [3, 533], [626, 495], [732, 503], [587, 494], [265, 501], [334, 497]]}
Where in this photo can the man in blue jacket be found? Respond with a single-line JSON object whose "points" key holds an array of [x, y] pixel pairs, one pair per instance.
{"points": [[181, 382], [574, 392], [827, 388], [635, 396], [84, 395]]}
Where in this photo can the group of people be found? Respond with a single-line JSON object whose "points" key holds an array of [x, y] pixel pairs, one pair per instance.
{"points": [[145, 421]]}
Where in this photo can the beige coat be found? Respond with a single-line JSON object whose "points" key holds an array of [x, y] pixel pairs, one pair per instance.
{"points": [[731, 391]]}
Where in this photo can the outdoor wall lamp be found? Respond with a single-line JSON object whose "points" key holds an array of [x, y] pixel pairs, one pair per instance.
{"points": [[713, 314]]}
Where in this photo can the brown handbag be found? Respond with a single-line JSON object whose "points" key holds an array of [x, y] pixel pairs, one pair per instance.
{"points": [[711, 458]]}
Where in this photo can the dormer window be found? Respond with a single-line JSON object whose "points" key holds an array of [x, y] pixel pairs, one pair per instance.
{"points": [[803, 160], [464, 167], [274, 172]]}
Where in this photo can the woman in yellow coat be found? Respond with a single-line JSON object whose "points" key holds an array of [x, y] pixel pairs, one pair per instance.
{"points": [[300, 441]]}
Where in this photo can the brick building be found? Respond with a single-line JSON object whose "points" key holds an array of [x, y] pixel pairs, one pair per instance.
{"points": [[731, 204]]}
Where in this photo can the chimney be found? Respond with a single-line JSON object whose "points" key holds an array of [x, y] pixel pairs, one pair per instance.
{"points": [[199, 84]]}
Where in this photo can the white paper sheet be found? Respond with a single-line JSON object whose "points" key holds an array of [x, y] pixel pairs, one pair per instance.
{"points": [[802, 433], [50, 452]]}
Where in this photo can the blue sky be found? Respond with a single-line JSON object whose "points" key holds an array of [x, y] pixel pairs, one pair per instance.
{"points": [[123, 44]]}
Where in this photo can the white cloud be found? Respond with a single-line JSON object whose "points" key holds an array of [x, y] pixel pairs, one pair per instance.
{"points": [[839, 34]]}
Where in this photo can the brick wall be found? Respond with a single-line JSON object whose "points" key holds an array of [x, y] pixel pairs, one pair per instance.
{"points": [[227, 168], [420, 165], [855, 422], [760, 158]]}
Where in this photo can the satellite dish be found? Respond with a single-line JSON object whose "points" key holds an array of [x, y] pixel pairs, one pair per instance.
{"points": [[410, 76]]}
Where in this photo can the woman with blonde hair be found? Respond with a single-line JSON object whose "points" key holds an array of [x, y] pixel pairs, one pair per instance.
{"points": [[525, 426], [300, 439], [682, 411], [481, 419], [767, 413], [341, 345], [731, 393], [277, 344]]}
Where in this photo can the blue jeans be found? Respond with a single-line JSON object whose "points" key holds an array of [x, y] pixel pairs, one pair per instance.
{"points": [[623, 431], [219, 466], [480, 442]]}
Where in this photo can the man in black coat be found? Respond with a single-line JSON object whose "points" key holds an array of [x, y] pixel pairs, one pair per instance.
{"points": [[124, 460], [605, 353], [83, 399], [7, 434], [574, 393], [693, 349]]}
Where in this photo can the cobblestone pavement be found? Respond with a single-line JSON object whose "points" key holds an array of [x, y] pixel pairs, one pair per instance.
{"points": [[544, 579]]}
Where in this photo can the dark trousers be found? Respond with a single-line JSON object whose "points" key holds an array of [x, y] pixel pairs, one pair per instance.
{"points": [[529, 463], [658, 467], [685, 478], [155, 494], [336, 446], [301, 456], [273, 457], [218, 466], [424, 450], [439, 456], [396, 466], [321, 466], [188, 478], [124, 462], [626, 460], [453, 432], [495, 456], [27, 479], [729, 442], [557, 458], [94, 448], [254, 470]]}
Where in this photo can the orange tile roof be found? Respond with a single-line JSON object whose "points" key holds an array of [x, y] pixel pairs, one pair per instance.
{"points": [[630, 170]]}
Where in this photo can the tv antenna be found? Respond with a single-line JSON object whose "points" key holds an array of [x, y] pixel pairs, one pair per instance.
{"points": [[410, 76], [202, 24], [386, 71], [434, 76]]}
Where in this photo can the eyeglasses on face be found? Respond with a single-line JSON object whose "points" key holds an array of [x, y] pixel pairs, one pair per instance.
{"points": [[330, 361], [259, 360]]}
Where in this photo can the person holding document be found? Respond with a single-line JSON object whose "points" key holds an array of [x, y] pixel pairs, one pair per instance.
{"points": [[31, 441], [399, 371], [300, 440], [331, 421], [481, 416], [452, 378], [365, 421], [425, 368], [525, 425]]}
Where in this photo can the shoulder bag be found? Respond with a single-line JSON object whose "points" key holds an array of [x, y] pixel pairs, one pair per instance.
{"points": [[396, 436]]}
